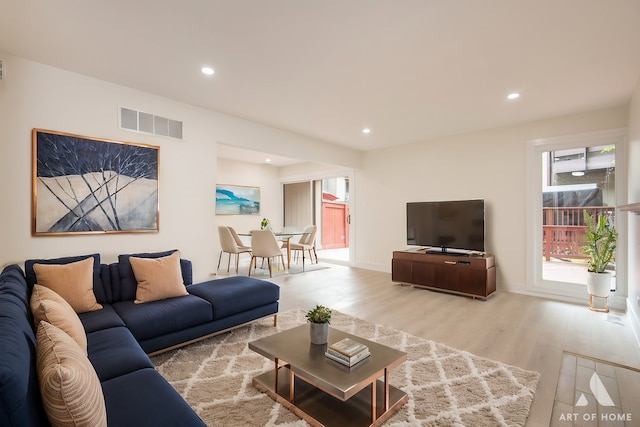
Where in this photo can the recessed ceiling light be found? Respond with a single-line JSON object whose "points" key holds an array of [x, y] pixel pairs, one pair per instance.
{"points": [[577, 173], [208, 71], [513, 95], [267, 160], [366, 130]]}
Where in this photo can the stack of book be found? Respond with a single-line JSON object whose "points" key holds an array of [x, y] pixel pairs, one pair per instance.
{"points": [[347, 351]]}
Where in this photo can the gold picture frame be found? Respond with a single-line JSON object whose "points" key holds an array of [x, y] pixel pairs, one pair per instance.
{"points": [[237, 200], [86, 185]]}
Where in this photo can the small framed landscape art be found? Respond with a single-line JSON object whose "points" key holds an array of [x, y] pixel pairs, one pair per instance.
{"points": [[90, 185], [237, 200]]}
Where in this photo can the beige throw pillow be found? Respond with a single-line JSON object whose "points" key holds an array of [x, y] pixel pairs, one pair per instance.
{"points": [[70, 388], [158, 278], [73, 282], [49, 306]]}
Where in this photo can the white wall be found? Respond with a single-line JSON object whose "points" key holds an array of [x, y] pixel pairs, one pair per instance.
{"points": [[254, 175], [39, 96], [306, 171], [489, 164], [633, 276]]}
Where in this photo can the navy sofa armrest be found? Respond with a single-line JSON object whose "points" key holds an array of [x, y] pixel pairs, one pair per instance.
{"points": [[20, 401]]}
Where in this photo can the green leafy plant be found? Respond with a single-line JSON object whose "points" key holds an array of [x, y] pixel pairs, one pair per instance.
{"points": [[319, 314], [264, 223], [600, 242]]}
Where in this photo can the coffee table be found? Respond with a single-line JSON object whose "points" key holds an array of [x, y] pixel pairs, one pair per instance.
{"points": [[324, 392]]}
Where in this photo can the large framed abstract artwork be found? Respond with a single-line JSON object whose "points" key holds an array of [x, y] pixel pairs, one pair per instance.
{"points": [[237, 200], [87, 185]]}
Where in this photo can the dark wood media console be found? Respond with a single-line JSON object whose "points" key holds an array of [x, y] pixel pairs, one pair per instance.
{"points": [[474, 276]]}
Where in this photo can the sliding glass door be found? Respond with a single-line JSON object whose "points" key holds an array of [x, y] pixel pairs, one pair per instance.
{"points": [[568, 177], [575, 181]]}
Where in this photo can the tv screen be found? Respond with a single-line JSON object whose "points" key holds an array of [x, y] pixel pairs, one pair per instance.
{"points": [[445, 225]]}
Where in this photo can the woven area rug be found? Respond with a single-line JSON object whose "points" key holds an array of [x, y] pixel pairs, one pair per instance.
{"points": [[446, 387]]}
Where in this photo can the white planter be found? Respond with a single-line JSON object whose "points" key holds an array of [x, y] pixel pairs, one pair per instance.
{"points": [[599, 284], [319, 333]]}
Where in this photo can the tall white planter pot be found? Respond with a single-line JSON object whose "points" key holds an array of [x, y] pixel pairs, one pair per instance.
{"points": [[599, 285]]}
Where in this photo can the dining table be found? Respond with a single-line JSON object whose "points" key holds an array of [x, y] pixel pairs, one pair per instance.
{"points": [[284, 236]]}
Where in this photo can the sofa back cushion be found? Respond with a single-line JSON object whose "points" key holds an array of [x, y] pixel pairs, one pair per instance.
{"points": [[20, 401], [158, 278], [101, 279], [123, 280], [72, 281]]}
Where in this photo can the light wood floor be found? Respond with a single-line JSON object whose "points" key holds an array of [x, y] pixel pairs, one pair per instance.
{"points": [[516, 329]]}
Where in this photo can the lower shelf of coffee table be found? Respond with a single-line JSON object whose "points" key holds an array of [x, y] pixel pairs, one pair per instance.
{"points": [[321, 409]]}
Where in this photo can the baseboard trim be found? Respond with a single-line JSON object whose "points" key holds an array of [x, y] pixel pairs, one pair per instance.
{"points": [[615, 301], [634, 321]]}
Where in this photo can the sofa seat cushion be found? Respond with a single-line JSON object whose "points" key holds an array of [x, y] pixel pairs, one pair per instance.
{"points": [[144, 399], [236, 294], [114, 352], [100, 319], [160, 317]]}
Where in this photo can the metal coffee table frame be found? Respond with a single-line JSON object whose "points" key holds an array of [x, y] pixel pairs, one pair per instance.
{"points": [[324, 392]]}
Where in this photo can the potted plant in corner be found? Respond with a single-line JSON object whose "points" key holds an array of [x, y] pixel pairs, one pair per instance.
{"points": [[319, 319], [600, 248]]}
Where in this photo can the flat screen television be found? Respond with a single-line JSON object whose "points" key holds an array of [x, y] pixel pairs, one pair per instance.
{"points": [[446, 226]]}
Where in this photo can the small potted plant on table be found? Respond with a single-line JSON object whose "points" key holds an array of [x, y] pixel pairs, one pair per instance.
{"points": [[265, 224], [600, 247], [319, 319]]}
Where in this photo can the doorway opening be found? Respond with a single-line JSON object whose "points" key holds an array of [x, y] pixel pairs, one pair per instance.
{"points": [[325, 203], [335, 220]]}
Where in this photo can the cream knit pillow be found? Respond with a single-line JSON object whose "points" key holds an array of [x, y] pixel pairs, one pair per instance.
{"points": [[158, 278], [70, 388], [73, 282], [49, 306]]}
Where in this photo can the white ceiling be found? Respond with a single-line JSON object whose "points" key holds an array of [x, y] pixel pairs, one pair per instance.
{"points": [[411, 70], [226, 151]]}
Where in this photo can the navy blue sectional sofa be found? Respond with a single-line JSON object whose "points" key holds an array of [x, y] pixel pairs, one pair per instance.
{"points": [[120, 337]]}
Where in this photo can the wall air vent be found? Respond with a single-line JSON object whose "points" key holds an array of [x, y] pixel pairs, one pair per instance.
{"points": [[137, 121]]}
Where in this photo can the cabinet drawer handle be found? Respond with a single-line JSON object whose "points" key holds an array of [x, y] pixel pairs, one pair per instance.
{"points": [[450, 262]]}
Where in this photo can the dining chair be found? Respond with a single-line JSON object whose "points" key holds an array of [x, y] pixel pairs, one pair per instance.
{"points": [[230, 246], [236, 237], [307, 242], [264, 245]]}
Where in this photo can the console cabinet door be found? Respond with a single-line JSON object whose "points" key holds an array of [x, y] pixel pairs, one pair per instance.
{"points": [[401, 271], [448, 277], [473, 281], [424, 273]]}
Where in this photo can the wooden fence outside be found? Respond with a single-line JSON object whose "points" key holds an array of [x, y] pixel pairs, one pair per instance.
{"points": [[563, 230]]}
